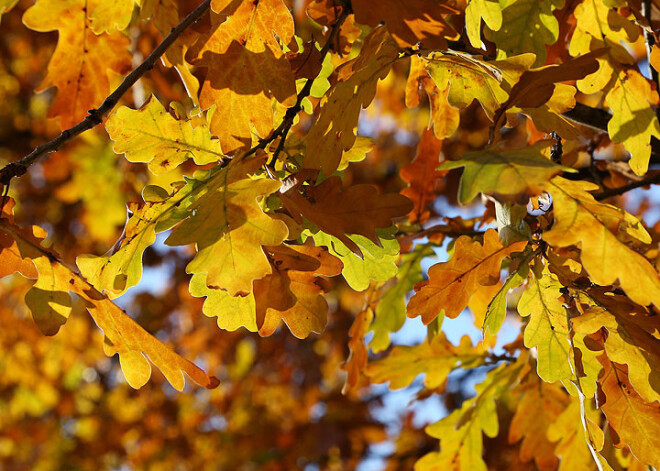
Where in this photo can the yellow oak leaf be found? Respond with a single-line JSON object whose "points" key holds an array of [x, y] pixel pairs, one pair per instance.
{"points": [[527, 26], [627, 92], [246, 68], [435, 359], [461, 432], [540, 407], [470, 78], [488, 10], [153, 135], [632, 340], [229, 227], [334, 130], [232, 312], [293, 292], [634, 121], [571, 440], [635, 421], [339, 211], [112, 15], [83, 62], [547, 329], [165, 15], [581, 220], [411, 22], [451, 284], [122, 334], [511, 175]]}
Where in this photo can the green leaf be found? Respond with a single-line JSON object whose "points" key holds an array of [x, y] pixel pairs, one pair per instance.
{"points": [[496, 311], [527, 26], [391, 309], [511, 175], [378, 264]]}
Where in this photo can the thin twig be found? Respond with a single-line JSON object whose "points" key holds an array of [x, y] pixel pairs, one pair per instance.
{"points": [[286, 124], [19, 167], [650, 180]]}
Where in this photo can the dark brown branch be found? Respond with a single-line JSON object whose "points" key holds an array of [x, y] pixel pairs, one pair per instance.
{"points": [[19, 167], [285, 126], [650, 180]]}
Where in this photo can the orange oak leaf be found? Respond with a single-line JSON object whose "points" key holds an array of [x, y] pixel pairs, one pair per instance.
{"points": [[122, 334], [246, 68], [294, 292], [539, 408], [422, 176], [451, 284], [357, 360], [83, 62], [339, 211], [636, 422], [410, 22], [11, 260]]}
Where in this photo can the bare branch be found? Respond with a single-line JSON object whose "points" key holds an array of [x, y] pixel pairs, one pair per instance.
{"points": [[19, 167]]}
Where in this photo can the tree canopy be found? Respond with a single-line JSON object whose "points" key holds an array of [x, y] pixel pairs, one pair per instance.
{"points": [[220, 222]]}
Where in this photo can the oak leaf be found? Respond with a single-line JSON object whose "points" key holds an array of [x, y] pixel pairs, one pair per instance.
{"points": [[436, 359], [154, 136], [490, 11], [461, 432], [632, 340], [540, 407], [581, 220], [338, 211], [512, 175], [422, 176], [357, 360], [122, 335], [527, 26], [83, 62], [229, 228], [635, 421], [294, 291], [451, 284], [334, 130], [547, 329], [246, 68], [411, 22]]}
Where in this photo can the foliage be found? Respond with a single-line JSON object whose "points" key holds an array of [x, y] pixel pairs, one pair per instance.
{"points": [[290, 170]]}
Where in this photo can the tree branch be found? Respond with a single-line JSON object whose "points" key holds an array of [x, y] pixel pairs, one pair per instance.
{"points": [[650, 180], [19, 168], [291, 113]]}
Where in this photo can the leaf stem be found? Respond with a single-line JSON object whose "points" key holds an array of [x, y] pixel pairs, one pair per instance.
{"points": [[19, 167]]}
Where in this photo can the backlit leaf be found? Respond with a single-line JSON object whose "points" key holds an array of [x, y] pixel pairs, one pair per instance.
{"points": [[339, 211], [509, 175], [154, 136], [334, 130], [451, 284], [83, 62], [579, 219]]}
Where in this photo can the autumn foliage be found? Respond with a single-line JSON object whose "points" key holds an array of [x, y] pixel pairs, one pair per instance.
{"points": [[312, 176]]}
